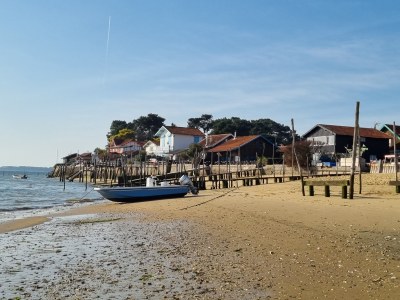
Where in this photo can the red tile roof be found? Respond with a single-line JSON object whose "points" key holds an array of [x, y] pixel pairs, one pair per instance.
{"points": [[126, 142], [120, 143], [234, 143], [349, 131], [214, 139], [184, 130]]}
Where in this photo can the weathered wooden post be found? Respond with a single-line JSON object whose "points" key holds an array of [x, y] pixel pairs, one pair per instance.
{"points": [[359, 160], [353, 160], [311, 189], [327, 191], [86, 174], [95, 172], [298, 163], [64, 171], [105, 171], [344, 191], [293, 152], [395, 156]]}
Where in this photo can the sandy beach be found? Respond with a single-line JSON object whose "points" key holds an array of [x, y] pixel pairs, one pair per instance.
{"points": [[258, 242]]}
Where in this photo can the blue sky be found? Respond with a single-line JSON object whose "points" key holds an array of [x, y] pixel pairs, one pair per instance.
{"points": [[61, 86]]}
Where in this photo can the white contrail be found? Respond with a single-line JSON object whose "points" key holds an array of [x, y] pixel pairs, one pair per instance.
{"points": [[107, 49]]}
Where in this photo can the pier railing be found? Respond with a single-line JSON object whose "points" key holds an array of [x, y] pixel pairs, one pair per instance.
{"points": [[381, 167], [204, 177]]}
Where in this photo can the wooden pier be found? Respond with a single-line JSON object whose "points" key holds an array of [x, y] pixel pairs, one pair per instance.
{"points": [[205, 177]]}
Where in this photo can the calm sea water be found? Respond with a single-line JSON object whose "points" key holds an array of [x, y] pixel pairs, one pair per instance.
{"points": [[39, 195]]}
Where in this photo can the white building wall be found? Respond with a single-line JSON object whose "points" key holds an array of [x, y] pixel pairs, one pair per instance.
{"points": [[166, 143], [151, 149], [171, 142], [182, 141]]}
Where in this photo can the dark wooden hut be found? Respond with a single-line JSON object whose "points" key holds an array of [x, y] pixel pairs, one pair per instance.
{"points": [[243, 149], [334, 139]]}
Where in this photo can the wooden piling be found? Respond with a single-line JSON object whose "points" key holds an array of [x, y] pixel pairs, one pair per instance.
{"points": [[353, 160]]}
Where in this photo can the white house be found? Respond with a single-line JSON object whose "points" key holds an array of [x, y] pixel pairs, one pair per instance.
{"points": [[173, 138], [150, 147]]}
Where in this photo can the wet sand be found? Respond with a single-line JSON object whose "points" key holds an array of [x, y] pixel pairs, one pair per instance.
{"points": [[22, 223], [260, 242]]}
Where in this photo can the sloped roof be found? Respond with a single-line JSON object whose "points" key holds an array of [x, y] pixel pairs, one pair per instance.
{"points": [[120, 143], [349, 131], [388, 129], [146, 144], [180, 130], [214, 139], [184, 130], [117, 142], [71, 156], [127, 142], [235, 143]]}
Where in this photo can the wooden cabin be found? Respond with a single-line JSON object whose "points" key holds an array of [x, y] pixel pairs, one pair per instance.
{"points": [[213, 140], [335, 139], [242, 149], [389, 130]]}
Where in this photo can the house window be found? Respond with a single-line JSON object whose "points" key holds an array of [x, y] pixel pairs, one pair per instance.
{"points": [[322, 140], [196, 139]]}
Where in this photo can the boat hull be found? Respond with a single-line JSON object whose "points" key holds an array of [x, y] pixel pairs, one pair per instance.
{"points": [[136, 194], [20, 177]]}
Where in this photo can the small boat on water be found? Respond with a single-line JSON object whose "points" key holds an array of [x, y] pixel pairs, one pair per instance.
{"points": [[20, 176], [149, 192]]}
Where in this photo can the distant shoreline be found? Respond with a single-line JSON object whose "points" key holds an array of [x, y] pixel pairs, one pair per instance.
{"points": [[25, 169]]}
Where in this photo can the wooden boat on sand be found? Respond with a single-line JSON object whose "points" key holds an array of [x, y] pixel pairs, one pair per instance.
{"points": [[149, 192]]}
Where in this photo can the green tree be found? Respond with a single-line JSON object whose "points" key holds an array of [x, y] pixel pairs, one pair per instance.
{"points": [[101, 153], [146, 126], [193, 123], [304, 151], [141, 156], [275, 132], [116, 126], [195, 152], [232, 125], [123, 134], [205, 122], [261, 161]]}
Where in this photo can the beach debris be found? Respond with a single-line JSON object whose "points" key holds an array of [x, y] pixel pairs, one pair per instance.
{"points": [[376, 279], [100, 220]]}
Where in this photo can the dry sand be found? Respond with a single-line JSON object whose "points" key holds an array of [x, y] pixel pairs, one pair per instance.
{"points": [[259, 242]]}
